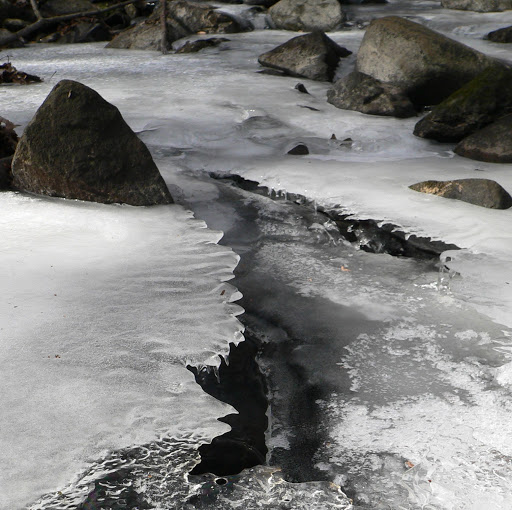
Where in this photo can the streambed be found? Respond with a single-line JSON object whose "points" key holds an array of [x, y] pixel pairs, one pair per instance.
{"points": [[386, 377]]}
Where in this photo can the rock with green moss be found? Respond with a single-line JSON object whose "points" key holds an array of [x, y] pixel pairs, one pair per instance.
{"points": [[478, 5], [79, 146], [477, 104], [493, 143], [482, 192], [425, 64]]}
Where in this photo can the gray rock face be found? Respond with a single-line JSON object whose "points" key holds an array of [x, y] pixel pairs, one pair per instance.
{"points": [[365, 94], [482, 192], [427, 65], [478, 5], [478, 103], [314, 56], [493, 143], [503, 35], [184, 18], [307, 15], [79, 146], [60, 7]]}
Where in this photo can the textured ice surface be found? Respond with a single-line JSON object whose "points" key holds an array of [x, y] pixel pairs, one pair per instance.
{"points": [[102, 308]]}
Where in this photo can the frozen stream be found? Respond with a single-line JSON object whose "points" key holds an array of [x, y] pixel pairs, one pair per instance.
{"points": [[385, 377]]}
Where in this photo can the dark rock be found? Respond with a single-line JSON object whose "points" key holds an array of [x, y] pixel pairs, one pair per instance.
{"points": [[478, 5], [307, 15], [117, 20], [13, 25], [60, 7], [9, 74], [184, 18], [493, 143], [14, 44], [201, 44], [83, 32], [314, 56], [477, 104], [362, 93], [79, 146], [8, 138], [301, 88], [18, 10], [482, 192], [5, 173], [299, 150], [503, 35], [428, 66], [263, 3]]}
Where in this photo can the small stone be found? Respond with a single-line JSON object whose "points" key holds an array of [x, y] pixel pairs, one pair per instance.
{"points": [[299, 150], [301, 88]]}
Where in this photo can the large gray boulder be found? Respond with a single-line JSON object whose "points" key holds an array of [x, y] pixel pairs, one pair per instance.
{"points": [[493, 143], [184, 18], [502, 35], [478, 103], [307, 15], [427, 65], [362, 93], [478, 5], [79, 146], [482, 192], [314, 56]]}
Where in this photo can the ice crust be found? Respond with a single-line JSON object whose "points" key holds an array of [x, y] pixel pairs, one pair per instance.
{"points": [[102, 309]]}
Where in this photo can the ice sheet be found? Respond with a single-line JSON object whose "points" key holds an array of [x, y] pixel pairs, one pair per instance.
{"points": [[102, 308]]}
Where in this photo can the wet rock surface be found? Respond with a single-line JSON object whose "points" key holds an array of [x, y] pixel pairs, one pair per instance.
{"points": [[79, 146], [482, 192], [314, 56], [365, 94], [425, 64]]}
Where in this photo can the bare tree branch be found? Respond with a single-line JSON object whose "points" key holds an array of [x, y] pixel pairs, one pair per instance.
{"points": [[36, 10], [43, 22]]}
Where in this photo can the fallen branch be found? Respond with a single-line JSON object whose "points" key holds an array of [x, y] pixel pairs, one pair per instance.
{"points": [[44, 22]]}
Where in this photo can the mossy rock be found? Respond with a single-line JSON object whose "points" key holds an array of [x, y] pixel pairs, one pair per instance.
{"points": [[472, 107]]}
